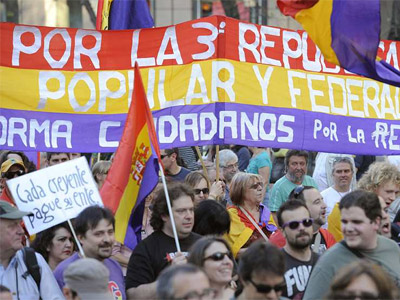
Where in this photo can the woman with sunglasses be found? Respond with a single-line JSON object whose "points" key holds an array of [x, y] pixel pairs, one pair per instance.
{"points": [[198, 181], [250, 219], [214, 256], [261, 272]]}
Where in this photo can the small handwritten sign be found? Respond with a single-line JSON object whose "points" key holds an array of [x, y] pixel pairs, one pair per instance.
{"points": [[55, 194]]}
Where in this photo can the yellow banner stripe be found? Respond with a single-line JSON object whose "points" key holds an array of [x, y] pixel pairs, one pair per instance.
{"points": [[108, 92]]}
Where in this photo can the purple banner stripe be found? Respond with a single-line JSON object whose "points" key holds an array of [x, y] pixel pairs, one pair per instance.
{"points": [[218, 123]]}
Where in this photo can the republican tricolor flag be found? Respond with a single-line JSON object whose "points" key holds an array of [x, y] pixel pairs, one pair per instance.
{"points": [[123, 14], [134, 171], [347, 32]]}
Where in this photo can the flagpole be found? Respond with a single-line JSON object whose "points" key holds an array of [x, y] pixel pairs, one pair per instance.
{"points": [[202, 164], [178, 247], [76, 238]]}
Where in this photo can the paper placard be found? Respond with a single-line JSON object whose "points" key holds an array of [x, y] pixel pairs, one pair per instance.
{"points": [[55, 194]]}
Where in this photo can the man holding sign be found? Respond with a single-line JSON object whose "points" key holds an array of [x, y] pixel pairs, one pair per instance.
{"points": [[13, 269], [94, 227]]}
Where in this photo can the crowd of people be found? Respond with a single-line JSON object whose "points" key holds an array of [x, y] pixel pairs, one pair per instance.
{"points": [[251, 223]]}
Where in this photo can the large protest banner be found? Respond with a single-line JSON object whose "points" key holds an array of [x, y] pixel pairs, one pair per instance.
{"points": [[55, 194], [209, 81]]}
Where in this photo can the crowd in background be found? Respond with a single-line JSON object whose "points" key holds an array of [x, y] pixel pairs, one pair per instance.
{"points": [[252, 223]]}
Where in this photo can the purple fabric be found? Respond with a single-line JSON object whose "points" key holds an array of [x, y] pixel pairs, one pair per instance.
{"points": [[355, 28], [150, 179], [376, 131], [264, 218], [116, 282], [130, 14]]}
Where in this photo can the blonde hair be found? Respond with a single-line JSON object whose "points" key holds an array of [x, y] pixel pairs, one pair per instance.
{"points": [[239, 184], [100, 167], [378, 174]]}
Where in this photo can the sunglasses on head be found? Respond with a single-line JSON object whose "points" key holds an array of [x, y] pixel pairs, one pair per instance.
{"points": [[11, 175], [218, 256], [265, 288], [295, 224], [297, 191], [198, 191]]}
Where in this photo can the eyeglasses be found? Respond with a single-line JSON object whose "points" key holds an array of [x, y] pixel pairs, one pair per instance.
{"points": [[256, 185], [298, 190], [205, 191], [205, 294], [295, 224], [11, 175], [232, 166], [265, 288], [218, 256]]}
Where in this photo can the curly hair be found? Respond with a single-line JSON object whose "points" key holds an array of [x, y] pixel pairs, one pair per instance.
{"points": [[379, 173], [160, 208], [43, 239]]}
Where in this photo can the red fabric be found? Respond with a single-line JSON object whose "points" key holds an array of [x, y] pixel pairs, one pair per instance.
{"points": [[292, 7], [5, 197], [279, 240], [100, 6], [118, 175]]}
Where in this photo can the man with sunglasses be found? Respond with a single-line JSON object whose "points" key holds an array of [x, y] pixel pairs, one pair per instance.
{"points": [[10, 169], [170, 159], [261, 271], [322, 238], [296, 223], [361, 215]]}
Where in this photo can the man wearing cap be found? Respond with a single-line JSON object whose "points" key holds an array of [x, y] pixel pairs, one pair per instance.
{"points": [[10, 169], [86, 279], [13, 270]]}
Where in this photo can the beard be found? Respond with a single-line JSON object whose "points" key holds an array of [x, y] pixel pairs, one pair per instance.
{"points": [[294, 178], [300, 244]]}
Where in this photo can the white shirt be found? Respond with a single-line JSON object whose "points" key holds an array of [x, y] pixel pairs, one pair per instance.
{"points": [[323, 170], [331, 197], [27, 288]]}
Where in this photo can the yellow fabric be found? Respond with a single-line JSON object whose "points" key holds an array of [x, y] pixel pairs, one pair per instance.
{"points": [[334, 223], [238, 232], [321, 35]]}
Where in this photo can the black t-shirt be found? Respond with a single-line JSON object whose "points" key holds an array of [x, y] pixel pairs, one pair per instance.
{"points": [[297, 274], [152, 255]]}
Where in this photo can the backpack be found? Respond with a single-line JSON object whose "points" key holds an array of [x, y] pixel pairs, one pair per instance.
{"points": [[32, 265]]}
